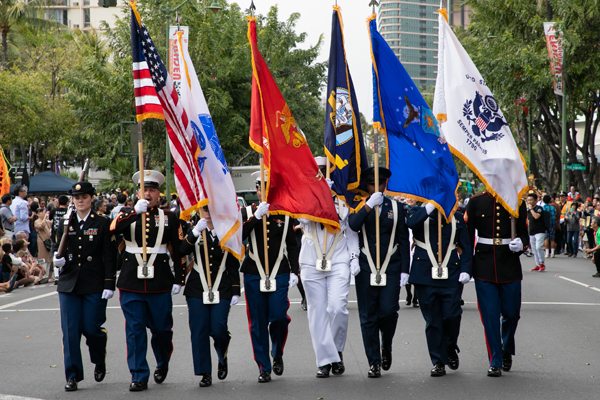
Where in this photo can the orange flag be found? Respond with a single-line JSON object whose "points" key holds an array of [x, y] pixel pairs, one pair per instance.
{"points": [[4, 178], [295, 186]]}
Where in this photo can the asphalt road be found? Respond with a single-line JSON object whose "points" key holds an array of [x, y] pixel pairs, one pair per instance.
{"points": [[558, 351]]}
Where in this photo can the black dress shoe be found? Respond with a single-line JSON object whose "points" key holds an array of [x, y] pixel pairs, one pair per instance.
{"points": [[160, 374], [494, 372], [71, 385], [438, 370], [264, 377], [416, 303], [303, 304], [222, 370], [462, 302], [506, 361], [278, 366], [100, 372], [386, 359], [408, 300], [374, 371], [206, 380], [453, 359], [323, 372], [338, 368], [138, 386]]}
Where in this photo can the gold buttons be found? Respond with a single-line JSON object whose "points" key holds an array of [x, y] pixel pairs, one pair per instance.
{"points": [[498, 214], [498, 221], [497, 235], [79, 255], [79, 238], [267, 231], [268, 223], [147, 230], [146, 236], [79, 246], [267, 239], [497, 207], [497, 228], [79, 265], [482, 215], [212, 248]]}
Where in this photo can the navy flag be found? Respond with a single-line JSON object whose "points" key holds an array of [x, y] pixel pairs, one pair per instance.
{"points": [[417, 154], [344, 144]]}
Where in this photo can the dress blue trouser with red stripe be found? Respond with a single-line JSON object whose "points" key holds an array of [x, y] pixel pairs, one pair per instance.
{"points": [[497, 300], [206, 321], [153, 311], [82, 314], [267, 315]]}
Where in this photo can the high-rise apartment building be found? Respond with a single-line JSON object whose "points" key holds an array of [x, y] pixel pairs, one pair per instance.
{"points": [[82, 14], [410, 27]]}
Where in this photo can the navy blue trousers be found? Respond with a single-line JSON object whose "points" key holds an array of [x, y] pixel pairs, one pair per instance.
{"points": [[378, 312], [441, 310], [267, 316], [208, 321], [82, 315], [495, 300], [153, 311]]}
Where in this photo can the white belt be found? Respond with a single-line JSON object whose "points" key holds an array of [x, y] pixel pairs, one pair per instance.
{"points": [[391, 247], [427, 244], [493, 242], [315, 239], [149, 250], [254, 257]]}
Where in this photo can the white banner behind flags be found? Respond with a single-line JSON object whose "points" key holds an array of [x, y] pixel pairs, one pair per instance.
{"points": [[216, 178], [476, 129]]}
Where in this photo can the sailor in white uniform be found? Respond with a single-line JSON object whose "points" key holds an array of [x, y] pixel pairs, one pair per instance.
{"points": [[325, 273]]}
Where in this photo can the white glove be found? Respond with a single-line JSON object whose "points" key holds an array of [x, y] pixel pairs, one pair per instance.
{"points": [[354, 267], [200, 226], [516, 245], [58, 261], [293, 279], [375, 200], [403, 279], [329, 182], [176, 289], [234, 300], [141, 206], [304, 221], [464, 278], [262, 210], [429, 208], [107, 294]]}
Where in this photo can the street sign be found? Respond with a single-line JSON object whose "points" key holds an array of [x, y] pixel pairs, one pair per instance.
{"points": [[576, 167]]}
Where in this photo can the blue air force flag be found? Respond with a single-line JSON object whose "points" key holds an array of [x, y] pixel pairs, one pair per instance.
{"points": [[476, 129], [344, 144], [417, 154]]}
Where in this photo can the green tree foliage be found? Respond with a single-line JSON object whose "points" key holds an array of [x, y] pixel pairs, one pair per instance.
{"points": [[506, 42]]}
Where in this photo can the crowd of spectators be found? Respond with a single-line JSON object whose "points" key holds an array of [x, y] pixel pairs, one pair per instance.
{"points": [[28, 229]]}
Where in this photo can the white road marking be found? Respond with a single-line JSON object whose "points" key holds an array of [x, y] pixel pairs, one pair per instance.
{"points": [[27, 300], [11, 397], [578, 283]]}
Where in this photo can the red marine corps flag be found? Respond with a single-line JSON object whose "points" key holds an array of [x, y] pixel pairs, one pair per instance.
{"points": [[295, 186]]}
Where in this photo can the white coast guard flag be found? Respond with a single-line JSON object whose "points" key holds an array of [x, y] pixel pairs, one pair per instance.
{"points": [[473, 123], [216, 178]]}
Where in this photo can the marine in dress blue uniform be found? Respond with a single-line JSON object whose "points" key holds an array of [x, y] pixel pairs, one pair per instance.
{"points": [[378, 305], [267, 311], [146, 301], [440, 298], [497, 272], [209, 320], [86, 282]]}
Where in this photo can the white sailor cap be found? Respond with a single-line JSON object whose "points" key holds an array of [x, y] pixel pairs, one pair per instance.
{"points": [[256, 175], [321, 161], [151, 178]]}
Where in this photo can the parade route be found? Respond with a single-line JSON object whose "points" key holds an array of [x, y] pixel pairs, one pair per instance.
{"points": [[558, 356]]}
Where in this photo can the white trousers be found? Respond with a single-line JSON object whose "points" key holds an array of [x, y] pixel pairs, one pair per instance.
{"points": [[326, 298]]}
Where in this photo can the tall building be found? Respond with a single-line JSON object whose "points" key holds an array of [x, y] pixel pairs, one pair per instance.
{"points": [[82, 14], [410, 27]]}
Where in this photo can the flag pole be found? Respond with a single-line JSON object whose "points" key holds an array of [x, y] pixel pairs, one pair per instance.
{"points": [[264, 218], [439, 238], [376, 170], [141, 162], [328, 176], [207, 266]]}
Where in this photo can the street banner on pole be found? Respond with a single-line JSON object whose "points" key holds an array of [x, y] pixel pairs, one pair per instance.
{"points": [[475, 127], [555, 52]]}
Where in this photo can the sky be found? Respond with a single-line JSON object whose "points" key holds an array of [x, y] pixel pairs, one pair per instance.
{"points": [[315, 19]]}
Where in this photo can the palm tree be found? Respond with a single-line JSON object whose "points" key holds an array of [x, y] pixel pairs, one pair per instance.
{"points": [[120, 176], [13, 12]]}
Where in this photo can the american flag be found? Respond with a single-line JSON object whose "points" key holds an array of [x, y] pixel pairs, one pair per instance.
{"points": [[182, 142], [482, 121]]}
